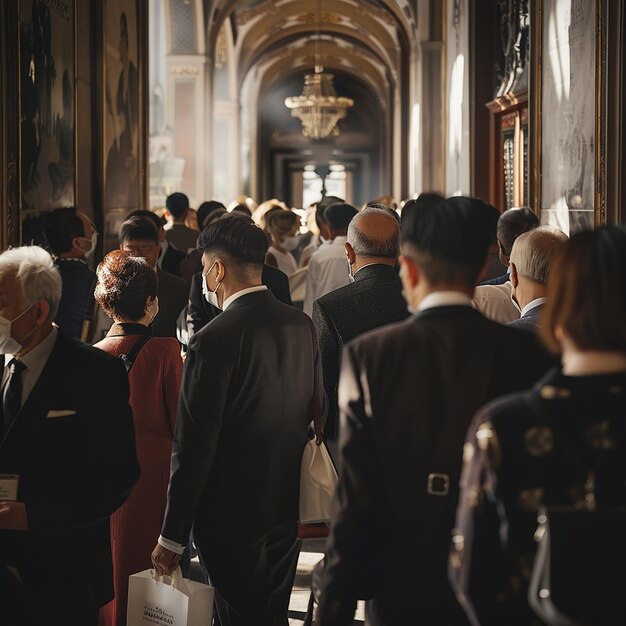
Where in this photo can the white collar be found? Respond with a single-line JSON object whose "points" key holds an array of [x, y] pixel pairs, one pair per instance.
{"points": [[238, 294], [533, 304], [340, 240], [444, 298], [36, 358]]}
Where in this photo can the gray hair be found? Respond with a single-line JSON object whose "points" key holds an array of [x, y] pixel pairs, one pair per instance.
{"points": [[373, 246], [34, 269], [534, 251]]}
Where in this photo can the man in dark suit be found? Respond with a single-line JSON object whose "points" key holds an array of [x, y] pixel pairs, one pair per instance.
{"points": [[407, 393], [531, 259], [139, 237], [511, 225], [67, 454], [176, 231], [170, 257], [199, 312], [373, 299], [241, 428], [72, 239]]}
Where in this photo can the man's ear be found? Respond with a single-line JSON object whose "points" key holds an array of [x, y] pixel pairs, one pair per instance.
{"points": [[350, 253], [43, 311], [221, 271], [76, 244]]}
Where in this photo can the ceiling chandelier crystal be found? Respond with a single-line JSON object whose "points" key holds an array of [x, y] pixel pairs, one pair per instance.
{"points": [[319, 108]]}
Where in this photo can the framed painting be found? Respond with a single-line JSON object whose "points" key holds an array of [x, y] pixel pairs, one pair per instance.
{"points": [[568, 141], [47, 135], [124, 153]]}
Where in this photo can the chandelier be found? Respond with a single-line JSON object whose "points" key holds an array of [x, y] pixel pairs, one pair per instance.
{"points": [[319, 108]]}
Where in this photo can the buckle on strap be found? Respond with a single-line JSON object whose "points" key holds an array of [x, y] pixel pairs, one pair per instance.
{"points": [[438, 484]]}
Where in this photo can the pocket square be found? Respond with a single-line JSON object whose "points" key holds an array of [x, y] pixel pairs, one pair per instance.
{"points": [[60, 413]]}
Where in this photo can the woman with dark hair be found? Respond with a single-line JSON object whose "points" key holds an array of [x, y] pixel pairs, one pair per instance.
{"points": [[127, 292], [561, 444]]}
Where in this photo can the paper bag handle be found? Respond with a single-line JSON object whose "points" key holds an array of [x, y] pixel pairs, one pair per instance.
{"points": [[177, 580]]}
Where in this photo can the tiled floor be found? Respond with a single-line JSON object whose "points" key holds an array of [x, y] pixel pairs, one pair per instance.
{"points": [[311, 553]]}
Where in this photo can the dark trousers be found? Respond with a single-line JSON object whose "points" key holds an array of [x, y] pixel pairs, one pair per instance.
{"points": [[52, 604], [254, 590]]}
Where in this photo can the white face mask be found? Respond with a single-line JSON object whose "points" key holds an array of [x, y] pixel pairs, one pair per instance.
{"points": [[290, 243], [211, 296], [8, 345], [92, 247]]}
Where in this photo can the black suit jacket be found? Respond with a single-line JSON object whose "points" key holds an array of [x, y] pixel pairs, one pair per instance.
{"points": [[200, 312], [374, 299], [171, 260], [75, 470], [241, 429], [172, 293], [407, 395]]}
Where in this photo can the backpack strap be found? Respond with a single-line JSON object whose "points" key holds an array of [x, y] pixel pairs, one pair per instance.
{"points": [[129, 359]]}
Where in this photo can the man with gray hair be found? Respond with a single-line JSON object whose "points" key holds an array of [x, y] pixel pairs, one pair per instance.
{"points": [[372, 299], [531, 258], [67, 453]]}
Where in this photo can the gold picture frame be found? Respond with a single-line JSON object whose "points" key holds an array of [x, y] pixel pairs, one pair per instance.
{"points": [[538, 112]]}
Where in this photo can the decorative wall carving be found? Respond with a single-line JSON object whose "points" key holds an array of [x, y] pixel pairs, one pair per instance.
{"points": [[512, 47]]}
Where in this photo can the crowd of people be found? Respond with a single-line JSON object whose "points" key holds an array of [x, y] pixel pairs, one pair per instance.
{"points": [[465, 402]]}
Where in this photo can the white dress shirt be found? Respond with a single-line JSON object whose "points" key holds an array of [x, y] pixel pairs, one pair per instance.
{"points": [[243, 292], [328, 270], [285, 260], [35, 361], [444, 298], [533, 304]]}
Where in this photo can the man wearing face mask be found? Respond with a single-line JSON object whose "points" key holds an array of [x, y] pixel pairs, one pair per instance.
{"points": [[139, 237], [243, 415], [67, 454], [73, 239]]}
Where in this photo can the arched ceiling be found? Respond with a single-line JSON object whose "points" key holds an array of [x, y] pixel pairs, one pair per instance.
{"points": [[370, 39]]}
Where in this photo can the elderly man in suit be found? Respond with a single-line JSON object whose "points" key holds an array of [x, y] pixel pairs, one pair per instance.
{"points": [[373, 298], [139, 236], [407, 393], [531, 259], [511, 224], [242, 425], [67, 454]]}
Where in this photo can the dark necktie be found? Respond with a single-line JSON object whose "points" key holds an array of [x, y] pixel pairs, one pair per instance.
{"points": [[12, 395]]}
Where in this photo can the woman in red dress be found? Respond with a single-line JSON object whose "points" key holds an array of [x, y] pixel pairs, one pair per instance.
{"points": [[127, 292]]}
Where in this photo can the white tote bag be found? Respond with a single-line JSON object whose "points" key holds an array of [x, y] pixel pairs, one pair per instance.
{"points": [[169, 601], [318, 480], [318, 477]]}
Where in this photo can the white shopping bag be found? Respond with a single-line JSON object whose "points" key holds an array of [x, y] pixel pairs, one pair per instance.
{"points": [[168, 601], [318, 479]]}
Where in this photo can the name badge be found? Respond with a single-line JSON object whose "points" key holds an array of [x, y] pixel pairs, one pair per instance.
{"points": [[8, 487]]}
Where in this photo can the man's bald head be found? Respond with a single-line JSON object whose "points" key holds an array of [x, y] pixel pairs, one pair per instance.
{"points": [[374, 236]]}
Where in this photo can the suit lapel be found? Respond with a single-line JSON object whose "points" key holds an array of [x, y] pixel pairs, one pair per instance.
{"points": [[33, 411]]}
